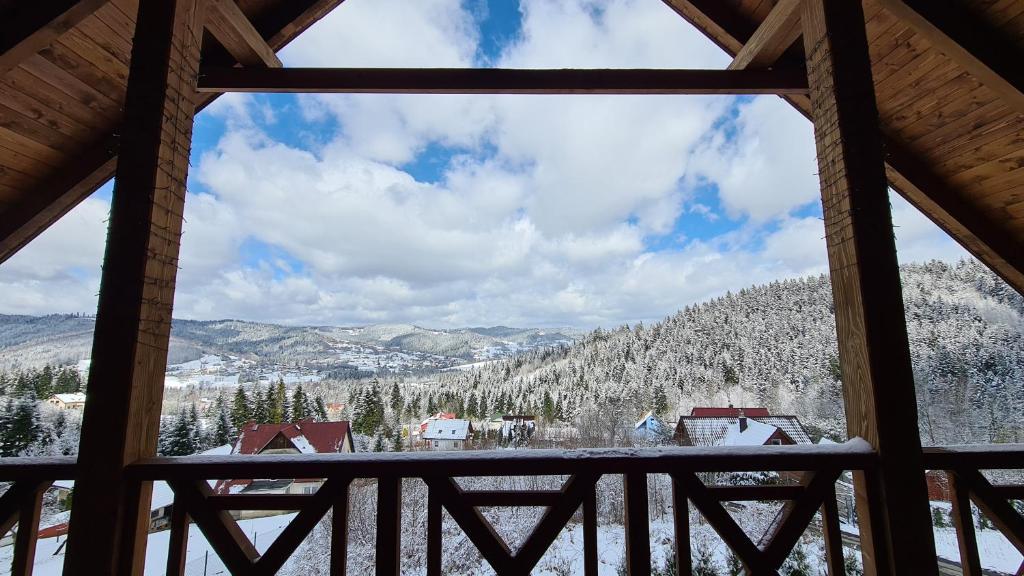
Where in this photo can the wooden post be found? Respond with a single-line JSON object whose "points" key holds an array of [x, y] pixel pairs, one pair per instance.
{"points": [[434, 536], [874, 353], [389, 526], [110, 518], [177, 547], [590, 560], [28, 531], [833, 535], [638, 538], [681, 521], [963, 519], [339, 533]]}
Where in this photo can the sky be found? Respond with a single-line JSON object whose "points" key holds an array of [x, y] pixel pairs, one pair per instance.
{"points": [[449, 211]]}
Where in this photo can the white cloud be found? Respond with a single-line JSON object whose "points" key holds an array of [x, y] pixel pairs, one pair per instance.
{"points": [[540, 218]]}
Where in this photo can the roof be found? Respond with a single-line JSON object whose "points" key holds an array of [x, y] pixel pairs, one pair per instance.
{"points": [[439, 429], [705, 431], [753, 434], [728, 411], [70, 398], [62, 87], [307, 436], [950, 103]]}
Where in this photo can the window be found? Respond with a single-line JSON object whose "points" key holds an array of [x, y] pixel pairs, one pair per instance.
{"points": [[435, 443], [775, 442], [309, 489]]}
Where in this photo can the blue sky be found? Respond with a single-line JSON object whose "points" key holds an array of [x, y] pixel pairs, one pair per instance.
{"points": [[454, 211]]}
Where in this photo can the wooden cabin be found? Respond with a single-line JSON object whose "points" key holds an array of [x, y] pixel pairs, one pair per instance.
{"points": [[924, 96]]}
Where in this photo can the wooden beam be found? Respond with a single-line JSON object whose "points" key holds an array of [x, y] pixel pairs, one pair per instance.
{"points": [[832, 534], [963, 520], [980, 49], [501, 81], [434, 535], [874, 352], [978, 234], [389, 526], [590, 558], [681, 525], [226, 538], [28, 532], [773, 37], [177, 547], [296, 531], [638, 536], [110, 520], [553, 521], [31, 26], [339, 532], [232, 28]]}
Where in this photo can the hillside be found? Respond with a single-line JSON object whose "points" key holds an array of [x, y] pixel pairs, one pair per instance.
{"points": [[775, 345], [33, 341]]}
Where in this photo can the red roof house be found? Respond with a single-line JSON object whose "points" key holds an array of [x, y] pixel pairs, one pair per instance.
{"points": [[729, 412], [305, 437]]}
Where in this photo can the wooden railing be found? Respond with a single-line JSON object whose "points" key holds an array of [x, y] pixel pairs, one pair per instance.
{"points": [[819, 467], [963, 466]]}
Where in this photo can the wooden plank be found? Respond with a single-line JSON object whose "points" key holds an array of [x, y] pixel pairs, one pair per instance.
{"points": [[982, 457], [637, 524], [511, 498], [721, 23], [222, 532], [31, 26], [681, 524], [730, 532], [772, 38], [259, 501], [832, 534], [852, 455], [501, 81], [878, 383], [28, 531], [960, 34], [748, 493], [980, 234], [177, 546], [293, 534], [230, 26], [479, 531], [434, 535], [110, 520], [339, 532], [553, 521], [1003, 515], [590, 558], [797, 515], [389, 526], [963, 520]]}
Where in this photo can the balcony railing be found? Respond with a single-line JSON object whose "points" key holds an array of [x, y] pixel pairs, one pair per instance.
{"points": [[817, 468]]}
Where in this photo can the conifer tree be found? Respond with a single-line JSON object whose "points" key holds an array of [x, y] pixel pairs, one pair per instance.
{"points": [[260, 407], [319, 409], [223, 431], [241, 411], [273, 407], [300, 405], [281, 411], [396, 400]]}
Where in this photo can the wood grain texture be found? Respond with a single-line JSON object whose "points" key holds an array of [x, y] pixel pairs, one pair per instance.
{"points": [[111, 518], [31, 26], [501, 81], [777, 32], [231, 27], [878, 384]]}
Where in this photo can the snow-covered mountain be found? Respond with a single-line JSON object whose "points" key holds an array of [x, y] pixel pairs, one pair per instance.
{"points": [[33, 341], [775, 345]]}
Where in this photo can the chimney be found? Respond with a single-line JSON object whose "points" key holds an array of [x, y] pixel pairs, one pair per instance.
{"points": [[743, 421]]}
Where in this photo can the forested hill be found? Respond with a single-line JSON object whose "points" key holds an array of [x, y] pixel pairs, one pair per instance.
{"points": [[775, 345]]}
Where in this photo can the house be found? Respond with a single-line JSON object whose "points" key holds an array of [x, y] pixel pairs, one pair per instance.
{"points": [[517, 429], [72, 401], [650, 426], [305, 437], [438, 416], [716, 426], [334, 410], [447, 434]]}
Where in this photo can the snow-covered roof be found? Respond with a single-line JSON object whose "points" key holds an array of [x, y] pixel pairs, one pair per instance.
{"points": [[447, 430], [70, 398], [753, 434], [711, 431], [643, 419]]}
